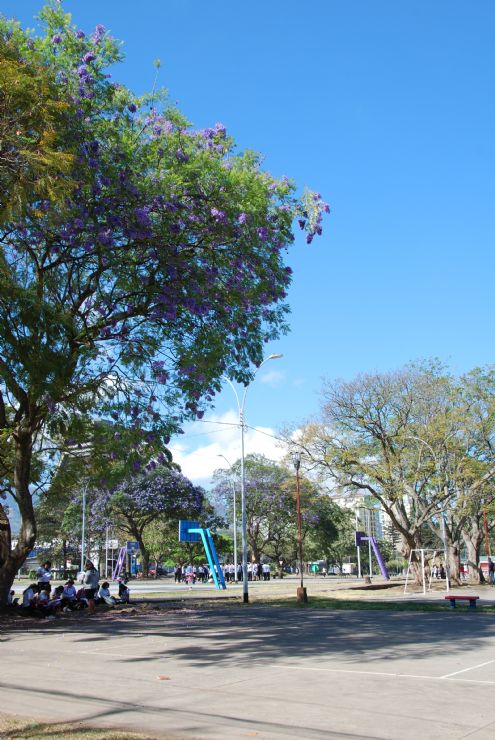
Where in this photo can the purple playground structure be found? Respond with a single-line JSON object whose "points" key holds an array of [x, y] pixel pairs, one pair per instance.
{"points": [[363, 537]]}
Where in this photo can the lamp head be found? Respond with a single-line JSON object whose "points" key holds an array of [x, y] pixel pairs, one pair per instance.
{"points": [[296, 460]]}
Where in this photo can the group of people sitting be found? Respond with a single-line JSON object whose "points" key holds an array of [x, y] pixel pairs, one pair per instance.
{"points": [[41, 600]]}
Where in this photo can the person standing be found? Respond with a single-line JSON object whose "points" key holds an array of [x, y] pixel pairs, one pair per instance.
{"points": [[44, 574], [491, 571], [91, 580]]}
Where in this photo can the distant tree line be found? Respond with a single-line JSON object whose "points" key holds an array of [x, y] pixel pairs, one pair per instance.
{"points": [[421, 442]]}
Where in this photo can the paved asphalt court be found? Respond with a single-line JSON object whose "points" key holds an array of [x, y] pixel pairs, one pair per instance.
{"points": [[259, 672]]}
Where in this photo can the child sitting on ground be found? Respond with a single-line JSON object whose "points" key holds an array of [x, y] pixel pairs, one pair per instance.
{"points": [[29, 595], [43, 594], [11, 600], [55, 600], [103, 596], [124, 593], [43, 600], [69, 597]]}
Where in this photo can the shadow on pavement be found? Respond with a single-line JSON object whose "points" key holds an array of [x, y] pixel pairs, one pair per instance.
{"points": [[233, 636]]}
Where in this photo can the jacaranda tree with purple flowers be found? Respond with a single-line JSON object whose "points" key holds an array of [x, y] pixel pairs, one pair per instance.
{"points": [[160, 271], [271, 506], [164, 495]]}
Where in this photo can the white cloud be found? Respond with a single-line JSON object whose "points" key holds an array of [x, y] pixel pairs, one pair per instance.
{"points": [[274, 377], [197, 451]]}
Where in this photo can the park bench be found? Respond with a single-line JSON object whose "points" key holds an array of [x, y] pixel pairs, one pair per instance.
{"points": [[472, 600]]}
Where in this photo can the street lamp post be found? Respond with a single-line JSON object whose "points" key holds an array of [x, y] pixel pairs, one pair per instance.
{"points": [[83, 528], [83, 452], [358, 551], [301, 591], [235, 517], [242, 423]]}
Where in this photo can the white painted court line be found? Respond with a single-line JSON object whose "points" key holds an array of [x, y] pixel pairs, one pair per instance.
{"points": [[116, 654], [467, 680], [464, 670], [389, 675], [446, 677]]}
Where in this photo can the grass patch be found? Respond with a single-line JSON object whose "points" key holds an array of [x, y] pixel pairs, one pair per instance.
{"points": [[323, 602], [20, 727], [196, 601], [182, 596]]}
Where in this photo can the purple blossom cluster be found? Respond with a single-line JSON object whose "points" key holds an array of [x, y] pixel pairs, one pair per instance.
{"points": [[313, 216], [213, 139], [98, 34], [218, 215], [202, 262], [162, 491]]}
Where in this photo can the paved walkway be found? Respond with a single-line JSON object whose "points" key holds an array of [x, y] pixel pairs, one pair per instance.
{"points": [[259, 672]]}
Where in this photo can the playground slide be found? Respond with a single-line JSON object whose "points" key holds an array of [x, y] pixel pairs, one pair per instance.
{"points": [[378, 555]]}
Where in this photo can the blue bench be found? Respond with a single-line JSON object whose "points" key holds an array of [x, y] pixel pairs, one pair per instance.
{"points": [[472, 600]]}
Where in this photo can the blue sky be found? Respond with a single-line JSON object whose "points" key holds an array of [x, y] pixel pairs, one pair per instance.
{"points": [[387, 109]]}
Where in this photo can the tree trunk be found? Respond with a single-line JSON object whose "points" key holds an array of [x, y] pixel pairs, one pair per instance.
{"points": [[409, 536], [453, 563], [12, 559], [254, 555], [145, 560], [473, 556], [5, 538], [407, 546], [472, 534]]}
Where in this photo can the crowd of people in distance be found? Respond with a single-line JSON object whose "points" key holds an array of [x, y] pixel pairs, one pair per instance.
{"points": [[438, 571], [201, 573], [40, 600]]}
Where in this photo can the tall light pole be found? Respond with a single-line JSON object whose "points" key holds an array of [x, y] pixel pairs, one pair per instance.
{"points": [[83, 453], [235, 516], [301, 591], [358, 550], [242, 424], [83, 528]]}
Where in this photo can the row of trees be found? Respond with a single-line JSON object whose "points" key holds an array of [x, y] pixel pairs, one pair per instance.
{"points": [[142, 508], [270, 491], [147, 509], [421, 442], [141, 261]]}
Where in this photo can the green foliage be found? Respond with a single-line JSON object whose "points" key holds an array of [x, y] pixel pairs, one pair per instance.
{"points": [[161, 539], [140, 260], [332, 537], [420, 442], [33, 161], [272, 512]]}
